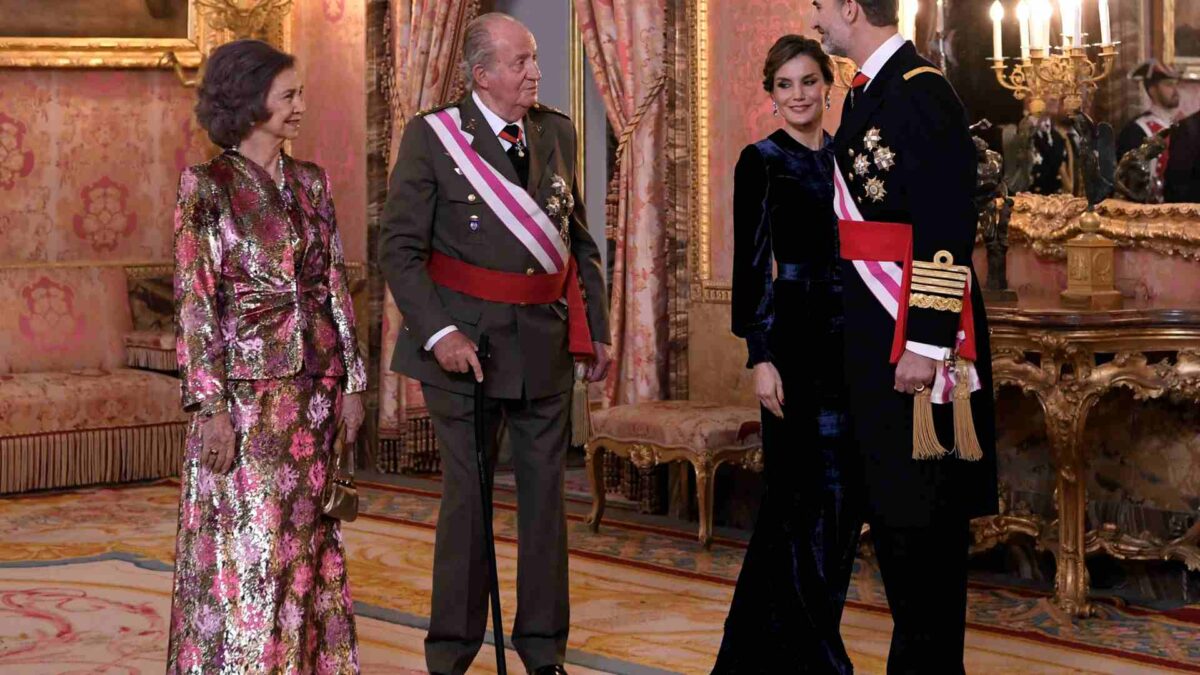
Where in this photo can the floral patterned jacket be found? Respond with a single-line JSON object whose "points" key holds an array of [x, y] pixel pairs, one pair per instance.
{"points": [[260, 280]]}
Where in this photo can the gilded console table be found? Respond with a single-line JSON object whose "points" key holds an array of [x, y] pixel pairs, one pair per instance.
{"points": [[1068, 359]]}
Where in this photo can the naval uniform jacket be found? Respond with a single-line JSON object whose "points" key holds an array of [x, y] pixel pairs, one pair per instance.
{"points": [[431, 206], [906, 156]]}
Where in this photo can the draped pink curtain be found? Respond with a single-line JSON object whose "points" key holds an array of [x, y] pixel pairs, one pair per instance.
{"points": [[626, 46], [427, 37]]}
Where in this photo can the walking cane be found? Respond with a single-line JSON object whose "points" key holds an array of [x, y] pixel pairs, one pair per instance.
{"points": [[485, 491]]}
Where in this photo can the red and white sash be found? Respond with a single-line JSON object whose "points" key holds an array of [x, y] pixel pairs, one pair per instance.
{"points": [[509, 201], [885, 280], [1151, 125]]}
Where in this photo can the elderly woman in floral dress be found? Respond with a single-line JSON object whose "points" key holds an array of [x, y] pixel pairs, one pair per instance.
{"points": [[270, 367]]}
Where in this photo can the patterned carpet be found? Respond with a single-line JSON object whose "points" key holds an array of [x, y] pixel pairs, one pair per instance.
{"points": [[85, 581]]}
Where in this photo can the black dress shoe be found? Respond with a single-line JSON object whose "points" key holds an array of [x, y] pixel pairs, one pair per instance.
{"points": [[550, 670]]}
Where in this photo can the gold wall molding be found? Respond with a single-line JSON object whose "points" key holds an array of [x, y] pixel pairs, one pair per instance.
{"points": [[577, 57], [1045, 223], [209, 25], [705, 290]]}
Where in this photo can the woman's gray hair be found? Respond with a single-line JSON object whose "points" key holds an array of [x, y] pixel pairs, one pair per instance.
{"points": [[478, 46]]}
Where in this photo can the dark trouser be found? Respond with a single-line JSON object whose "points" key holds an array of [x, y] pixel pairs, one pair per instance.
{"points": [[539, 433], [925, 576], [787, 608]]}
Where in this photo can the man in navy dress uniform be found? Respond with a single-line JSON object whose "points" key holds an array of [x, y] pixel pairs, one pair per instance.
{"points": [[917, 361]]}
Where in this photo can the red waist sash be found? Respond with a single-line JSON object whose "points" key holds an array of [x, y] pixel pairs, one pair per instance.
{"points": [[892, 242], [514, 288]]}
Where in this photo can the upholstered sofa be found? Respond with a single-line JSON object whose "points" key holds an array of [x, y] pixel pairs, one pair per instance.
{"points": [[71, 410]]}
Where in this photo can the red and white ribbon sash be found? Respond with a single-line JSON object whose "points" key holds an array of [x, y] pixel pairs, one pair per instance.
{"points": [[1151, 126], [509, 201], [885, 280]]}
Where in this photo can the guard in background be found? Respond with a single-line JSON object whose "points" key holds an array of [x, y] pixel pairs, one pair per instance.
{"points": [[1161, 84]]}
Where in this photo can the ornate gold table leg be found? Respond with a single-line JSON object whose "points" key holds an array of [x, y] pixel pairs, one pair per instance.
{"points": [[1066, 417], [705, 480], [595, 471]]}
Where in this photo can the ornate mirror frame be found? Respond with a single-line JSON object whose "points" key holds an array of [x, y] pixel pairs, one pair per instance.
{"points": [[204, 34]]}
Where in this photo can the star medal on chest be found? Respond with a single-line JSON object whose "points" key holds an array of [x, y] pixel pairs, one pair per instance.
{"points": [[872, 138], [862, 164], [560, 204], [884, 158], [875, 190]]}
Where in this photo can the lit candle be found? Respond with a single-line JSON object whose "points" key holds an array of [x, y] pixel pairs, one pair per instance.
{"points": [[1066, 9], [909, 9], [1035, 25], [941, 17], [1047, 14], [1077, 31], [1105, 28], [1023, 20], [997, 13]]}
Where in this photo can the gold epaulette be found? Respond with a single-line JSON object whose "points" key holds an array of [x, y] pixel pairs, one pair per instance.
{"points": [[939, 284], [542, 107], [430, 111], [923, 69]]}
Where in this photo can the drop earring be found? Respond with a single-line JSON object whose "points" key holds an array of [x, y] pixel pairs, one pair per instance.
{"points": [[774, 108], [828, 102]]}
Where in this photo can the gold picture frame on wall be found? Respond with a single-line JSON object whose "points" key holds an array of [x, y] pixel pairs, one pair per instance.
{"points": [[130, 33], [1180, 38]]}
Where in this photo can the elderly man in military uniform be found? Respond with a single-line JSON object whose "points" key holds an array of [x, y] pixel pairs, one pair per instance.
{"points": [[917, 362], [484, 234]]}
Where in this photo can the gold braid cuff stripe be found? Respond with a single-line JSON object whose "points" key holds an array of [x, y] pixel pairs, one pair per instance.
{"points": [[955, 285], [934, 302], [938, 290], [954, 275]]}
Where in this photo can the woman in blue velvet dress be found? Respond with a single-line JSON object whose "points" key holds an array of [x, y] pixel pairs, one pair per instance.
{"points": [[787, 607]]}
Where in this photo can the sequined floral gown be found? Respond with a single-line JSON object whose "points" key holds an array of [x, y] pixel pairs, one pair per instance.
{"points": [[265, 330]]}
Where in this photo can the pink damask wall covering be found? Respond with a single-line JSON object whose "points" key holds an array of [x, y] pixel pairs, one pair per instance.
{"points": [[90, 159], [740, 32], [329, 40], [89, 163]]}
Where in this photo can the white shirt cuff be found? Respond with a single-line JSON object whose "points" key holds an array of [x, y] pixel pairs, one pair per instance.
{"points": [[928, 351], [438, 336]]}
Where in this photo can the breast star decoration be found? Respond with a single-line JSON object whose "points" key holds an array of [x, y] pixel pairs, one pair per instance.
{"points": [[862, 164], [560, 204], [872, 138], [875, 190], [884, 158]]}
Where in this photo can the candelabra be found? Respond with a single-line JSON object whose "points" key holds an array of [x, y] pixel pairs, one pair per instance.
{"points": [[1043, 71]]}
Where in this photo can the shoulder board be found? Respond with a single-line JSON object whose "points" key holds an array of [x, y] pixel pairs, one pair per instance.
{"points": [[923, 69], [430, 111], [542, 107]]}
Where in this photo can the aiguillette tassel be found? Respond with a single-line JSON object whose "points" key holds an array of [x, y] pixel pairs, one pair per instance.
{"points": [[925, 440], [581, 415], [966, 443]]}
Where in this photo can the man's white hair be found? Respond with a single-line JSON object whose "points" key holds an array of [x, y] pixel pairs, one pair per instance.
{"points": [[479, 49]]}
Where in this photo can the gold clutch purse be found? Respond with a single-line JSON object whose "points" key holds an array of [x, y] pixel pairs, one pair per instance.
{"points": [[341, 495]]}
